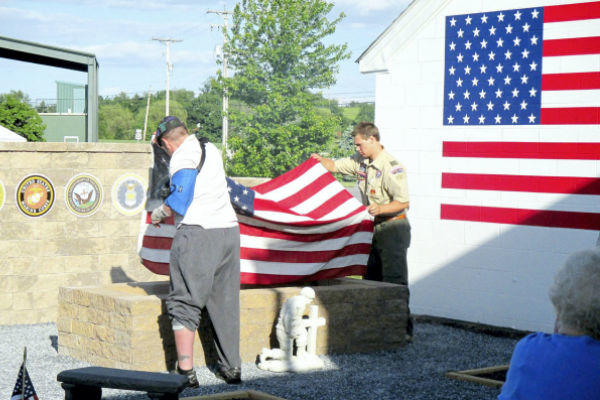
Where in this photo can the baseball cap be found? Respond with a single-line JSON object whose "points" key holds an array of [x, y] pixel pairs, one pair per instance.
{"points": [[165, 125]]}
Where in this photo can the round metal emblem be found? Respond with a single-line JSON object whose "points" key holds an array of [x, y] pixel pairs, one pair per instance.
{"points": [[129, 194], [83, 195], [35, 195]]}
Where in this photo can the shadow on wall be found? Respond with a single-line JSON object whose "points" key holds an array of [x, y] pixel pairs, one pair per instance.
{"points": [[118, 275], [495, 265]]}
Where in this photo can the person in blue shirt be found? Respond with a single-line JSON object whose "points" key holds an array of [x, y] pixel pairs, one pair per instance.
{"points": [[566, 364]]}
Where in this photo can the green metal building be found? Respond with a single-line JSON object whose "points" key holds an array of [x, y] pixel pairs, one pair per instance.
{"points": [[73, 118]]}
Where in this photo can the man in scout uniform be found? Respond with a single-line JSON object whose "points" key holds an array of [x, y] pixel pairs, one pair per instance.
{"points": [[383, 188]]}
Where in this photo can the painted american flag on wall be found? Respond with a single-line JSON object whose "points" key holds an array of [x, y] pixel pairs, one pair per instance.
{"points": [[301, 226], [507, 69], [525, 66]]}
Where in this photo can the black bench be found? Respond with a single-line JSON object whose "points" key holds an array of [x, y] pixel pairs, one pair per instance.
{"points": [[87, 383]]}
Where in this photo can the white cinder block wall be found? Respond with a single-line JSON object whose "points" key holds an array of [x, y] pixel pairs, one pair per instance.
{"points": [[489, 273]]}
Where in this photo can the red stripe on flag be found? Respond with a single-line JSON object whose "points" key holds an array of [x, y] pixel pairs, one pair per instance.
{"points": [[156, 267], [330, 205], [570, 116], [518, 216], [307, 192], [157, 243], [571, 46], [572, 12], [248, 278], [522, 183], [287, 177], [284, 256], [550, 151], [574, 81], [270, 205], [363, 226]]}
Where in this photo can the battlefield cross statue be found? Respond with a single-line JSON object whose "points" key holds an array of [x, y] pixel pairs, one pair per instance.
{"points": [[294, 330]]}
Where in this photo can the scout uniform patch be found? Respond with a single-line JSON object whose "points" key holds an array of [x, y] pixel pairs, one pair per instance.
{"points": [[381, 181]]}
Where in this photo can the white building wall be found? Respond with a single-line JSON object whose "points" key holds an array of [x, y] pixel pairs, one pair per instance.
{"points": [[481, 272]]}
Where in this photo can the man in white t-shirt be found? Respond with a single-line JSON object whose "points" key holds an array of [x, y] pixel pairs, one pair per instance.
{"points": [[205, 254]]}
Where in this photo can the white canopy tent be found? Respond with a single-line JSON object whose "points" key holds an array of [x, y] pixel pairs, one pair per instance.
{"points": [[6, 135]]}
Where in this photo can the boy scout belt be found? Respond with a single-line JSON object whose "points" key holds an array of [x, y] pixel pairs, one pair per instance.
{"points": [[379, 220]]}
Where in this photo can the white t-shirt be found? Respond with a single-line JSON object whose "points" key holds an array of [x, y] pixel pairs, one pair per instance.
{"points": [[210, 207]]}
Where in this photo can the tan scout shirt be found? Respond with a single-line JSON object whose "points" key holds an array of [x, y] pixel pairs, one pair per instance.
{"points": [[380, 181]]}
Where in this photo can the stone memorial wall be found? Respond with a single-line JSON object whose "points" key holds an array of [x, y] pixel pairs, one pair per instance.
{"points": [[70, 216]]}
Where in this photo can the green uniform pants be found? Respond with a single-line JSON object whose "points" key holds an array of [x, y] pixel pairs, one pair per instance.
{"points": [[387, 261]]}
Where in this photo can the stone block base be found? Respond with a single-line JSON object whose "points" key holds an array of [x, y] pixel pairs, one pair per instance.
{"points": [[237, 395], [125, 325]]}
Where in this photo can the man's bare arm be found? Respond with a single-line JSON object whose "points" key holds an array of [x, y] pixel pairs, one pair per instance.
{"points": [[326, 162]]}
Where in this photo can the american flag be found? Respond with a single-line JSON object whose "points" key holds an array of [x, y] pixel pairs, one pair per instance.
{"points": [[17, 393], [523, 67], [301, 226], [534, 66]]}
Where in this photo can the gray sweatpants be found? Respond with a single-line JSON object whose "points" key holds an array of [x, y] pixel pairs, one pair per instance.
{"points": [[205, 272]]}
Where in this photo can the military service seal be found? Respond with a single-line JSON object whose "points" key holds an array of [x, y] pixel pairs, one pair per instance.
{"points": [[83, 195], [129, 194], [35, 195]]}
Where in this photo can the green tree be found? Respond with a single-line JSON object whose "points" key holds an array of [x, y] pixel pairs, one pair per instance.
{"points": [[205, 112], [19, 95], [366, 113], [182, 96], [156, 113], [45, 108], [115, 121], [121, 115], [21, 118], [277, 51]]}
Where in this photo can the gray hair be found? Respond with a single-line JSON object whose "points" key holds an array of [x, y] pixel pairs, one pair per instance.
{"points": [[575, 293]]}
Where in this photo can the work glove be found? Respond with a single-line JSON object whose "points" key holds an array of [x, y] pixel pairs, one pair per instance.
{"points": [[158, 214]]}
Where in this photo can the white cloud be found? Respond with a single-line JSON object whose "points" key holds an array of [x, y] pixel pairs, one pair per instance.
{"points": [[129, 50], [136, 54], [358, 25], [200, 57], [18, 14], [180, 5], [365, 7]]}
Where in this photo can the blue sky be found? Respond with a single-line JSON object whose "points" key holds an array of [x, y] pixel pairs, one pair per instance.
{"points": [[120, 32]]}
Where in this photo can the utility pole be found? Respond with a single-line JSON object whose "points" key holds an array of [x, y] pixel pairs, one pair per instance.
{"points": [[225, 14], [168, 42], [147, 110]]}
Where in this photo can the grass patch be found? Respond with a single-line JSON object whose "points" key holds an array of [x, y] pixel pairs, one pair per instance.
{"points": [[350, 112]]}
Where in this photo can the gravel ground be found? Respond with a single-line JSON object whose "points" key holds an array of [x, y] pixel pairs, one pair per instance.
{"points": [[413, 372]]}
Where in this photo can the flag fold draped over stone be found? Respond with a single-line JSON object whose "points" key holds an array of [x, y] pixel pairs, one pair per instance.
{"points": [[301, 226]]}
